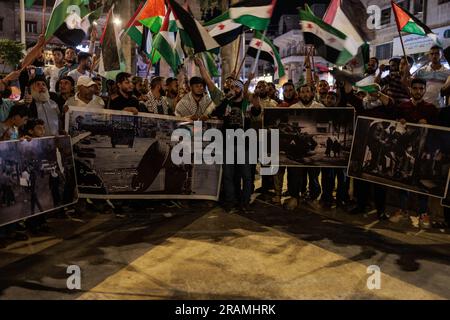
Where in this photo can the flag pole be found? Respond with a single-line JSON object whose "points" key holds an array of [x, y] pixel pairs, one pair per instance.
{"points": [[44, 8], [313, 67], [150, 64], [238, 54], [243, 58], [398, 29], [255, 64], [136, 14]]}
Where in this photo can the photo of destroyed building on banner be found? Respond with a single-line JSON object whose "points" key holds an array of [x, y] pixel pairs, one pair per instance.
{"points": [[407, 156], [312, 137], [35, 176], [126, 156]]}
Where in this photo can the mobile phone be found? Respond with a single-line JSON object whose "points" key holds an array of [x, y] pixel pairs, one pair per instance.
{"points": [[39, 71]]}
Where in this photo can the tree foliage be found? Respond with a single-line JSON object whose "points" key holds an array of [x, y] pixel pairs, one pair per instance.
{"points": [[11, 52]]}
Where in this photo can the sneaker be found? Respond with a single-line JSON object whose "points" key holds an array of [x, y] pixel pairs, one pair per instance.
{"points": [[397, 216], [246, 208], [424, 221], [230, 209], [291, 203], [383, 216], [276, 200]]}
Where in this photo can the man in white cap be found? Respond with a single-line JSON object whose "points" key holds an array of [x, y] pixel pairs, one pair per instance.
{"points": [[85, 96]]}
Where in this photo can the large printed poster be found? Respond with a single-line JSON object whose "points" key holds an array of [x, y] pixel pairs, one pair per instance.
{"points": [[123, 156], [36, 176], [413, 157], [312, 137]]}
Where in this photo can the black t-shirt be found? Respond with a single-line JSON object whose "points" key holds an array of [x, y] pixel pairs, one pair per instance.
{"points": [[122, 102], [60, 101]]}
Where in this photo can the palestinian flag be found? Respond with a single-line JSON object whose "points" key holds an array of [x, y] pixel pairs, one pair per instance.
{"points": [[109, 44], [141, 35], [164, 43], [29, 3], [69, 22], [255, 14], [350, 17], [209, 60], [223, 29], [152, 14], [329, 42], [268, 53], [193, 34], [131, 28], [406, 22]]}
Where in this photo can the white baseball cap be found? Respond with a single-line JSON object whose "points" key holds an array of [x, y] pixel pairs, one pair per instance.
{"points": [[85, 81]]}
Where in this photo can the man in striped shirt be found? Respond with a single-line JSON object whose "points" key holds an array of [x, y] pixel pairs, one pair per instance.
{"points": [[395, 84]]}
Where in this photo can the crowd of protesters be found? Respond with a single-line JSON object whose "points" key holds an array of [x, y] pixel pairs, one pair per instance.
{"points": [[48, 92]]}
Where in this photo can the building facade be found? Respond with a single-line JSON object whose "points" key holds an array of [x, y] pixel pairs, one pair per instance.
{"points": [[434, 13]]}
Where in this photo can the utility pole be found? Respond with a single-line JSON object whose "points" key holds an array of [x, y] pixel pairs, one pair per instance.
{"points": [[22, 23]]}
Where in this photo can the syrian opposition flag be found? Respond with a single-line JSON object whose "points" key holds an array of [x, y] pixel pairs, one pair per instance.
{"points": [[164, 43], [329, 42], [268, 53], [255, 14], [69, 22], [223, 29], [193, 34], [350, 17], [406, 22], [367, 84], [109, 44]]}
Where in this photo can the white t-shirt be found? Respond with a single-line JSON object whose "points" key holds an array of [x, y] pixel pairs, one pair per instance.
{"points": [[314, 104], [435, 81], [95, 103], [53, 73], [75, 74]]}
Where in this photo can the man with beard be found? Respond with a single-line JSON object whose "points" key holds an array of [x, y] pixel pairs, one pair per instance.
{"points": [[232, 110], [52, 72], [197, 104], [66, 88], [372, 67], [306, 97], [259, 101], [322, 90], [417, 110], [156, 102], [84, 66], [125, 100], [299, 177], [70, 59], [273, 92], [289, 95], [172, 94], [289, 98], [85, 96], [395, 84], [42, 107]]}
